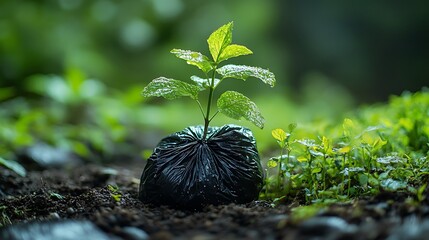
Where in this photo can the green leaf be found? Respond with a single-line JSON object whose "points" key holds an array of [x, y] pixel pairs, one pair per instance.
{"points": [[363, 179], [235, 105], [309, 143], [292, 127], [14, 166], [204, 83], [344, 149], [271, 164], [392, 185], [233, 50], [114, 192], [326, 145], [170, 89], [219, 40], [373, 181], [279, 134], [388, 160], [420, 192], [243, 72], [194, 58], [113, 188], [349, 127], [56, 195]]}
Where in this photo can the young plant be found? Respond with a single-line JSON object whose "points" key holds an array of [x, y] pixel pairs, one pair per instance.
{"points": [[114, 192], [231, 103], [282, 162]]}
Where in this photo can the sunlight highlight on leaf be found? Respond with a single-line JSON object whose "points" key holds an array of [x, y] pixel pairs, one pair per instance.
{"points": [[392, 185], [243, 72], [344, 149], [307, 142], [348, 127], [271, 163], [233, 50], [194, 58], [204, 83], [279, 134], [391, 159], [219, 40], [326, 145], [170, 89]]}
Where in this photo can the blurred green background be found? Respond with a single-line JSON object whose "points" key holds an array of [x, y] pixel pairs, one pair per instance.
{"points": [[371, 48], [84, 63]]}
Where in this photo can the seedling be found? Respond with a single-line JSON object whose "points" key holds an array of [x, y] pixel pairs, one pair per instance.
{"points": [[231, 103], [196, 167], [54, 195], [114, 192], [282, 162]]}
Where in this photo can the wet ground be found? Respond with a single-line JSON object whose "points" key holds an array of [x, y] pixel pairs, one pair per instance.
{"points": [[79, 198]]}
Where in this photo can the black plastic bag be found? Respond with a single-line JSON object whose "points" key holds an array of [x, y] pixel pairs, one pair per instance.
{"points": [[185, 171]]}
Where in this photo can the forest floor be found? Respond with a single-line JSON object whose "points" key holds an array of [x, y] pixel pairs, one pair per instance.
{"points": [[46, 199]]}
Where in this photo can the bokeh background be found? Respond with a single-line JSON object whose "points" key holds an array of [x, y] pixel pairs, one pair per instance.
{"points": [[370, 48], [92, 59]]}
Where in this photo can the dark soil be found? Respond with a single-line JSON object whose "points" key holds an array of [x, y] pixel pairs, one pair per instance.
{"points": [[82, 193]]}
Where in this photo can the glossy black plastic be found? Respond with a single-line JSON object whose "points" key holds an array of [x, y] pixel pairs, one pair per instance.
{"points": [[185, 171]]}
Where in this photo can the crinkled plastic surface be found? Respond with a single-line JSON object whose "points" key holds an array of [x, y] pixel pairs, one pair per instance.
{"points": [[185, 171]]}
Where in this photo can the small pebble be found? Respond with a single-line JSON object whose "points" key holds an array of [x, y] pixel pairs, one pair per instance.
{"points": [[54, 215], [70, 210]]}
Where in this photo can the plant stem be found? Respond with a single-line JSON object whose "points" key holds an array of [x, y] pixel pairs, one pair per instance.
{"points": [[349, 185], [207, 118], [310, 160], [323, 172], [214, 115], [201, 108], [266, 183], [344, 169], [280, 172], [287, 168]]}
